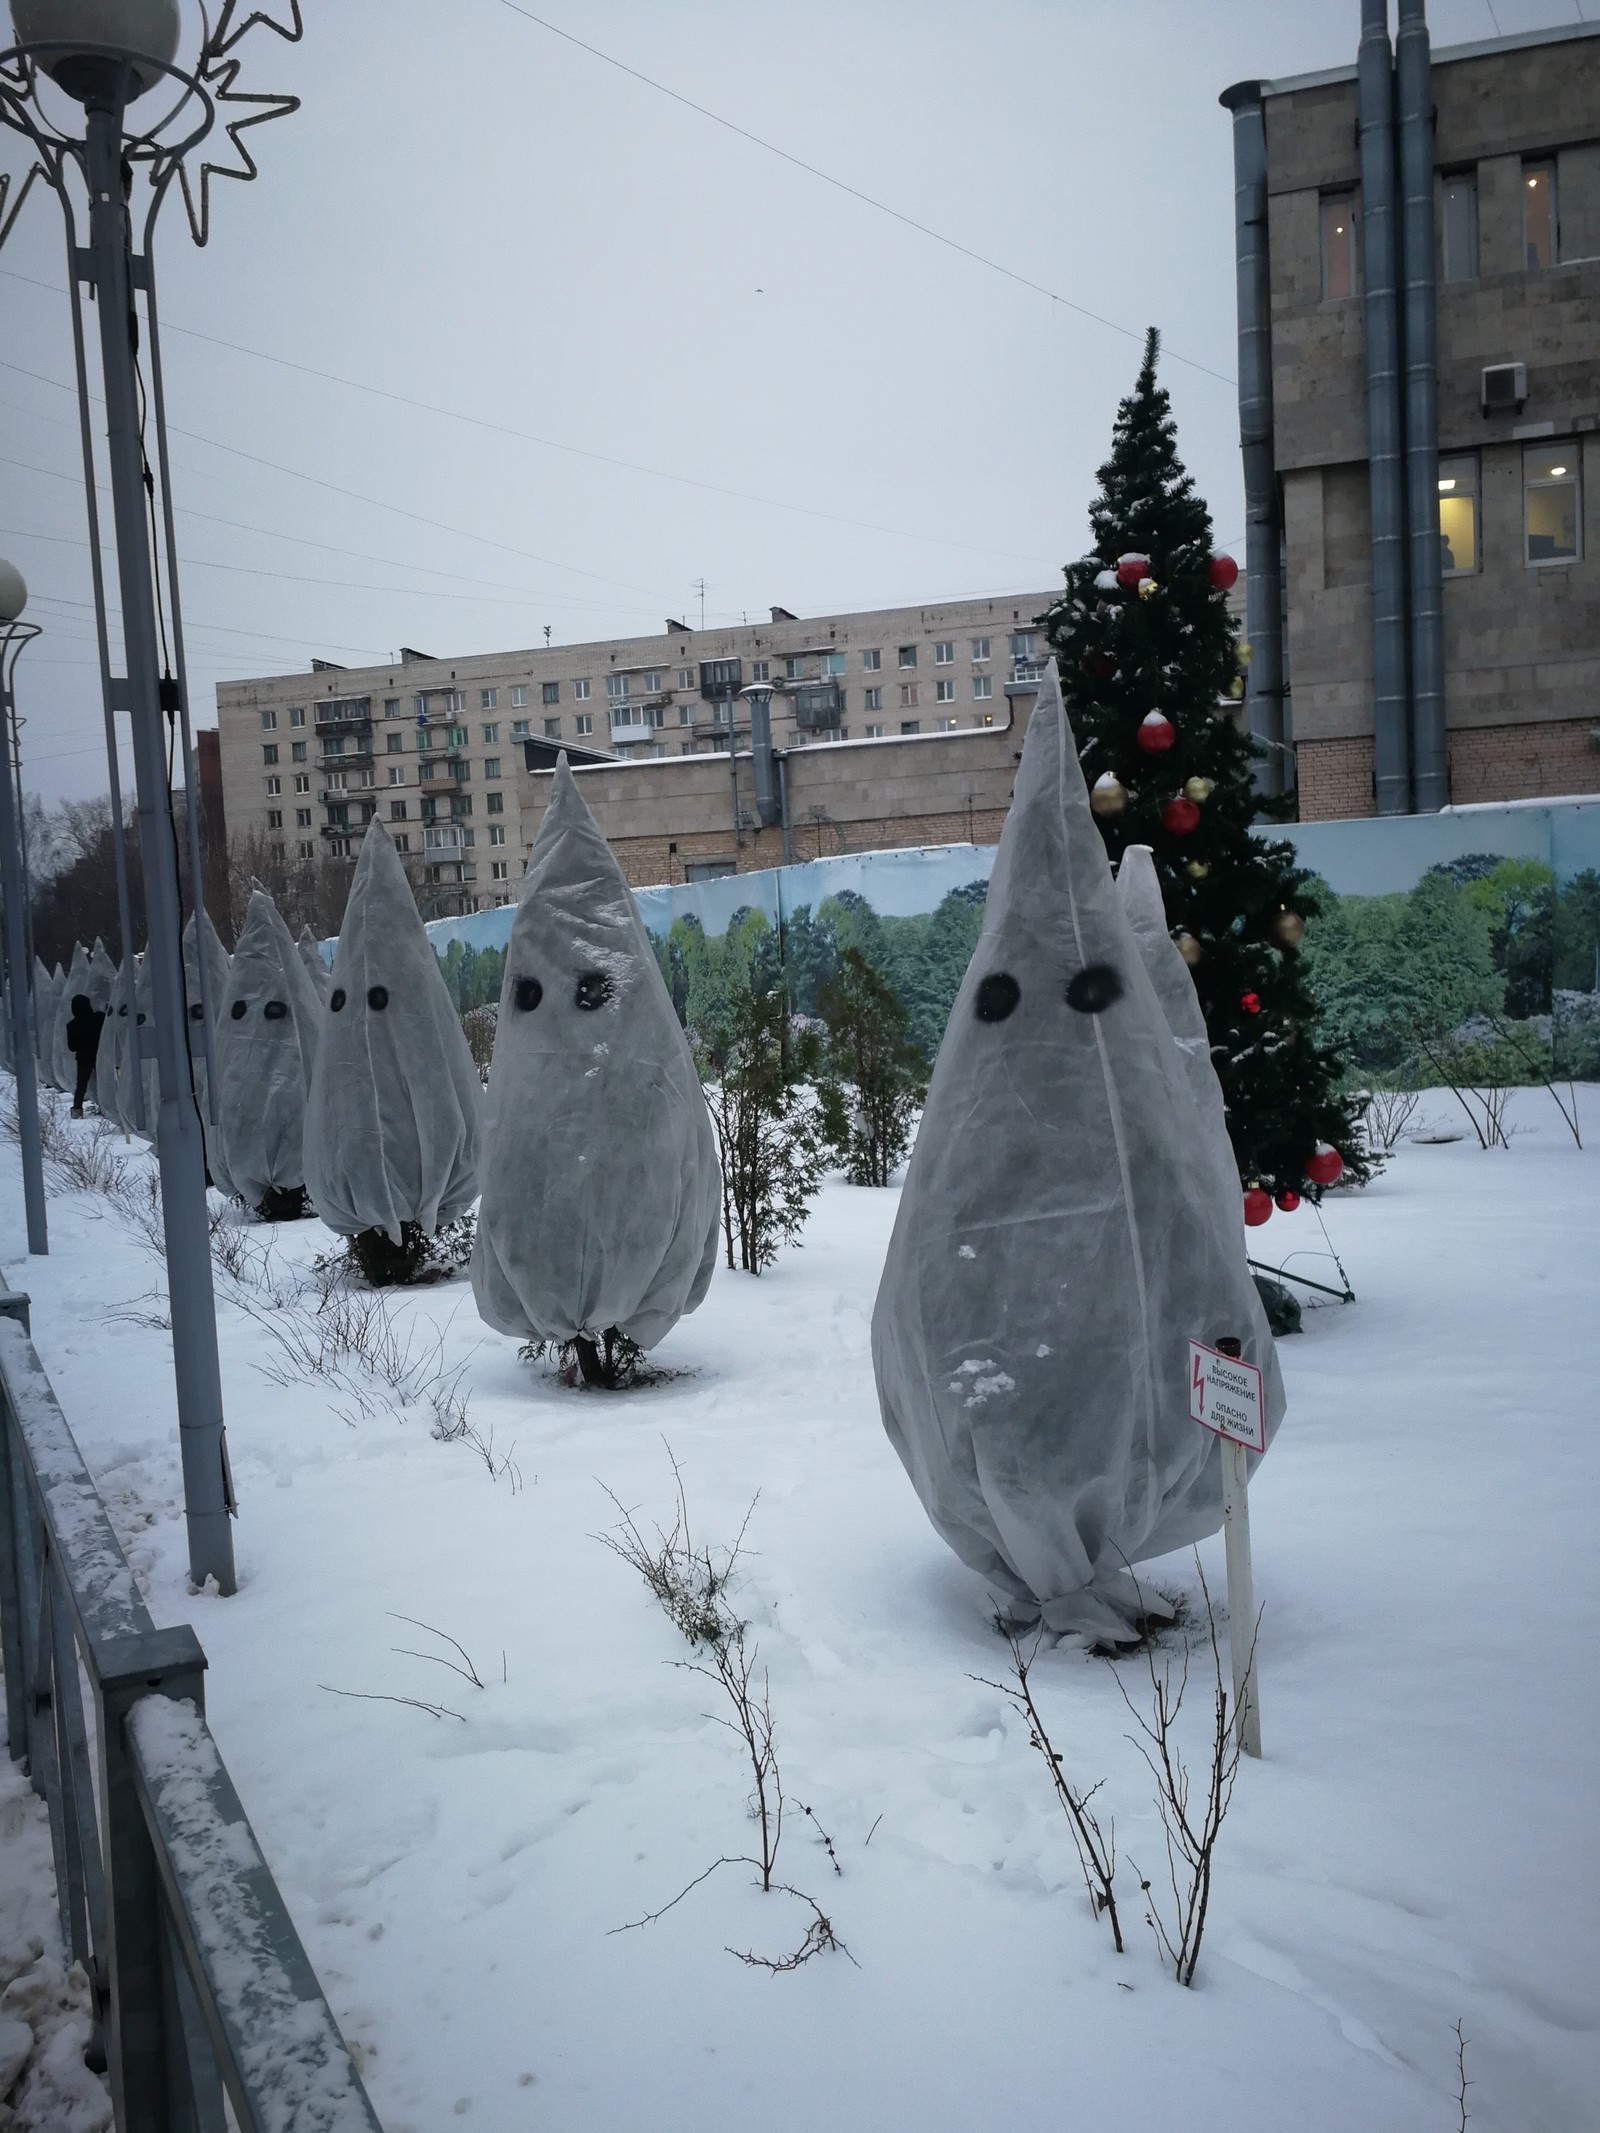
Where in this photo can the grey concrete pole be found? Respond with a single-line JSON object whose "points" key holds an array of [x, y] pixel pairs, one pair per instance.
{"points": [[19, 965], [207, 1490]]}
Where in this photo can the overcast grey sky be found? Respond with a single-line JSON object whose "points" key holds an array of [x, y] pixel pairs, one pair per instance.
{"points": [[686, 359]]}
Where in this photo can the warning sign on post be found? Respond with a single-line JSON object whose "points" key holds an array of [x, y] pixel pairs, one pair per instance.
{"points": [[1225, 1397]]}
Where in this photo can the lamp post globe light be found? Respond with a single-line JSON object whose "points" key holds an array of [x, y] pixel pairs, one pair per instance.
{"points": [[105, 57], [14, 635]]}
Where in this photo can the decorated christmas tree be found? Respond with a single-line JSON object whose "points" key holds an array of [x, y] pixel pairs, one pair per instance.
{"points": [[1152, 674]]}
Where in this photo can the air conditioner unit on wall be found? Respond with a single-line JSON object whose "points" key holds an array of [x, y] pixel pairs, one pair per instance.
{"points": [[1505, 388]]}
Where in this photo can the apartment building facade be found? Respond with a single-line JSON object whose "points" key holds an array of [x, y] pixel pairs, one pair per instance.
{"points": [[446, 751], [1419, 256]]}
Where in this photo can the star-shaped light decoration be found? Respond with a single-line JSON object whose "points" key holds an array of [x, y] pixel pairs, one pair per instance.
{"points": [[218, 73]]}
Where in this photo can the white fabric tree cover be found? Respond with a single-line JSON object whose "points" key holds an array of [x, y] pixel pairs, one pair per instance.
{"points": [[47, 998], [200, 1002], [602, 1198], [61, 1055], [112, 1038], [128, 1061], [265, 1045], [396, 1110], [311, 956], [1059, 1240], [102, 977]]}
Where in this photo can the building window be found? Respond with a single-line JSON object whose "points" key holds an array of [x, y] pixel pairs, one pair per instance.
{"points": [[686, 677], [584, 723], [794, 669], [944, 652], [274, 818], [944, 692], [461, 772], [298, 752], [1338, 246], [394, 743], [302, 781], [494, 803], [402, 843], [302, 818], [1550, 502], [550, 692], [552, 729], [873, 733], [336, 780], [487, 699], [458, 737], [872, 699], [871, 662], [497, 834], [617, 686], [652, 682], [911, 725], [907, 655], [947, 725], [1539, 228], [397, 810], [333, 745], [269, 752], [274, 785], [580, 690], [397, 773], [519, 696], [297, 717], [982, 686], [1461, 227], [490, 735], [499, 869], [1458, 514], [391, 707], [306, 849], [980, 650], [833, 664], [686, 714], [519, 728], [269, 721], [491, 766], [908, 695], [1022, 644]]}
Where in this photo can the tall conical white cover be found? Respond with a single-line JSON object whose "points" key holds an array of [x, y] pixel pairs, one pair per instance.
{"points": [[102, 977], [396, 1109], [311, 956], [265, 1045], [112, 1039], [601, 1196], [203, 1000], [49, 998], [62, 1058], [1059, 1240]]}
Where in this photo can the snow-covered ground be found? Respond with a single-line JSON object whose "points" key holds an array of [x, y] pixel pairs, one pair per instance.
{"points": [[1416, 1848]]}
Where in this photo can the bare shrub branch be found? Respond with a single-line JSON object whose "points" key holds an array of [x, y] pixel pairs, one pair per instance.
{"points": [[416, 1703], [467, 1671]]}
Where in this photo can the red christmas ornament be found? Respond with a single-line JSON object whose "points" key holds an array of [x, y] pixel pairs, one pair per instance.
{"points": [[1325, 1165], [1257, 1207], [1131, 568], [1179, 817], [1251, 1003], [1286, 1201], [1224, 573], [1156, 733]]}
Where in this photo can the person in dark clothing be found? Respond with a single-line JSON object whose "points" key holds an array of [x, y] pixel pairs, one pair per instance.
{"points": [[83, 1042]]}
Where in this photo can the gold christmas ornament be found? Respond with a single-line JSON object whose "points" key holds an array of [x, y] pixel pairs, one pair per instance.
{"points": [[1196, 869], [1244, 654], [1108, 796], [1236, 687], [1146, 587], [1199, 789], [1288, 929], [1189, 948]]}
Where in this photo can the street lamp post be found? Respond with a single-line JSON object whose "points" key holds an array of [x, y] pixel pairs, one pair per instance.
{"points": [[14, 635], [105, 55]]}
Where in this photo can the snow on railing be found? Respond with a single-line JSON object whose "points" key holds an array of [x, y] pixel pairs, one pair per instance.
{"points": [[201, 1982]]}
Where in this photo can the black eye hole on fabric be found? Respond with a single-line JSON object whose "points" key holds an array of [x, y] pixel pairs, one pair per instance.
{"points": [[997, 996], [337, 999], [122, 1010], [275, 1010], [237, 1011], [377, 997], [526, 994], [196, 1012], [240, 1010], [593, 990], [1092, 989]]}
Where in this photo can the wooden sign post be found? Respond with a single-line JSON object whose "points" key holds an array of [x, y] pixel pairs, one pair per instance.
{"points": [[1225, 1398]]}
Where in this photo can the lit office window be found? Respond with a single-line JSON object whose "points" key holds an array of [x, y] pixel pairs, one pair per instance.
{"points": [[1550, 502], [1539, 214], [1460, 221], [1338, 245], [1458, 514]]}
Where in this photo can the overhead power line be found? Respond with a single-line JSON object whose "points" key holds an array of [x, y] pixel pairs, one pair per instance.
{"points": [[855, 192]]}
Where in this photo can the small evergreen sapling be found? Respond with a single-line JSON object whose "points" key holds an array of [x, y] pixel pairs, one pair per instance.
{"points": [[876, 1076], [756, 1067], [1150, 666]]}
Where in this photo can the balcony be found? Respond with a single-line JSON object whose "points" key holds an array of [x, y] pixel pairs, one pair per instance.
{"points": [[354, 748], [721, 678], [341, 714], [818, 706], [343, 796], [636, 721]]}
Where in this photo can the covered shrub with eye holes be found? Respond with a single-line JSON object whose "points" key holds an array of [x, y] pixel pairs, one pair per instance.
{"points": [[264, 1045], [396, 1110], [601, 1198], [1060, 1238]]}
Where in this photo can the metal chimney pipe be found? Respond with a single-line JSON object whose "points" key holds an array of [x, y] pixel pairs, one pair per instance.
{"points": [[1385, 441], [1414, 91], [759, 697], [1263, 532]]}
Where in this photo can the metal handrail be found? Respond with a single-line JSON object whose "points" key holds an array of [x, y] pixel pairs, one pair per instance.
{"points": [[201, 1982]]}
